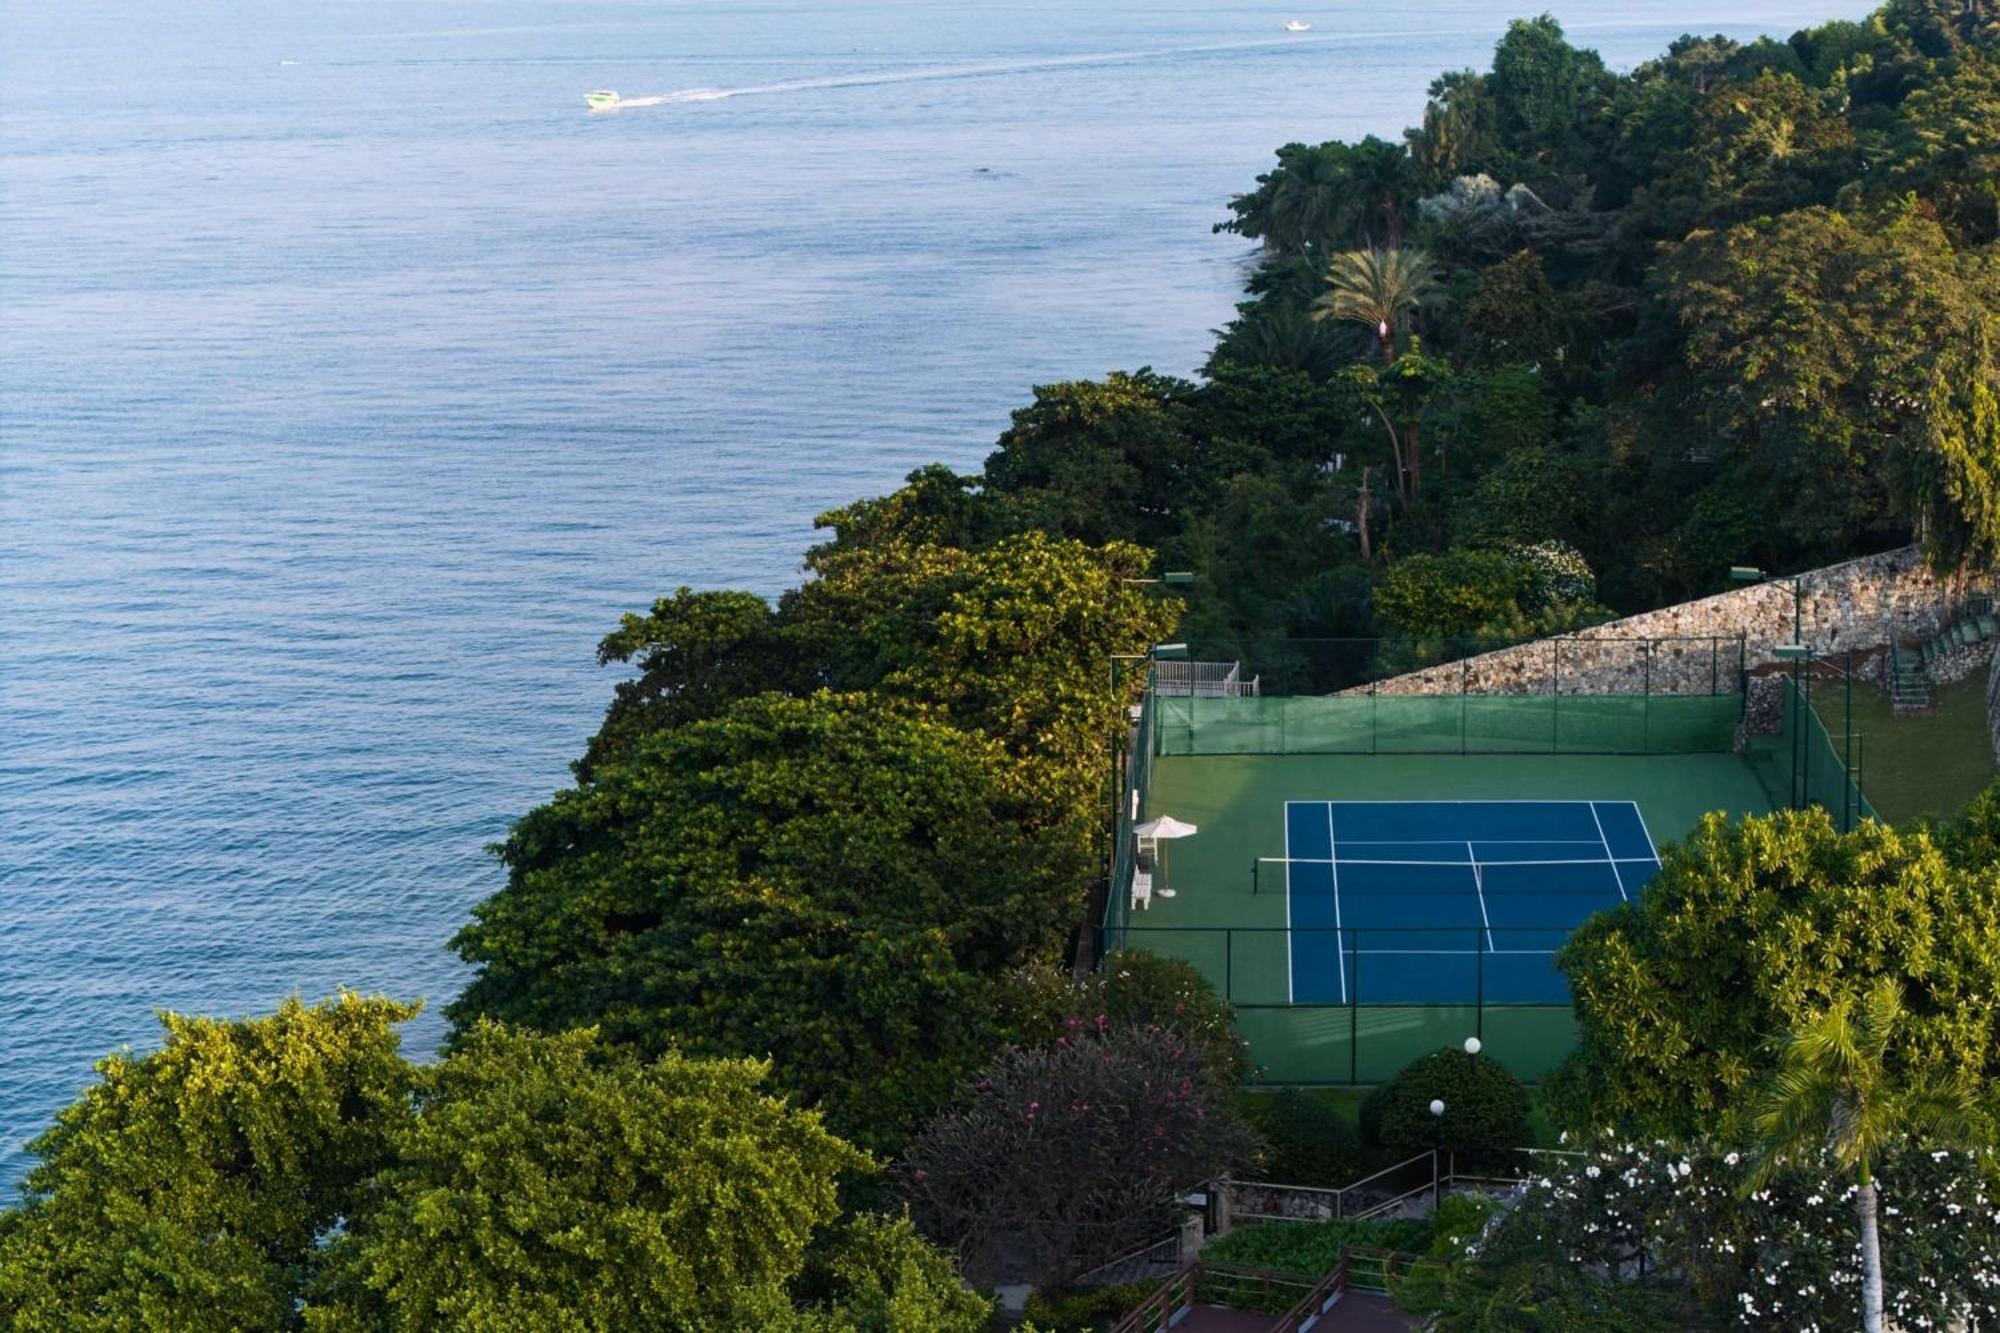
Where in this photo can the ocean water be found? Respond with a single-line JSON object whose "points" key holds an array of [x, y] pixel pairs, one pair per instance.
{"points": [[354, 379]]}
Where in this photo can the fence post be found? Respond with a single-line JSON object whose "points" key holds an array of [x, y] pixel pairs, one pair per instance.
{"points": [[1479, 986], [1555, 696], [1646, 706], [1464, 685], [1229, 965], [1354, 1012]]}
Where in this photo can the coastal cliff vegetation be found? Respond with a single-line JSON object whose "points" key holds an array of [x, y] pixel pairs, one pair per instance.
{"points": [[802, 925]]}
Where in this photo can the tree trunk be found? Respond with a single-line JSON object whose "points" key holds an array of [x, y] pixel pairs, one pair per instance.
{"points": [[1361, 514], [1871, 1256], [1411, 444]]}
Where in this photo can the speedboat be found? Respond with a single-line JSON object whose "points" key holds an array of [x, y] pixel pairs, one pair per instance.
{"points": [[601, 100], [1293, 25]]}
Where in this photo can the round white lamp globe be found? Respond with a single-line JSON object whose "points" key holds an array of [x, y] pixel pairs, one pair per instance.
{"points": [[1437, 1108], [1472, 1045]]}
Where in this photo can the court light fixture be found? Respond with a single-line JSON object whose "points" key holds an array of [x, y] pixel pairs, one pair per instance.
{"points": [[1746, 574], [1472, 1045], [1437, 1107], [1170, 649], [1179, 576], [1791, 652]]}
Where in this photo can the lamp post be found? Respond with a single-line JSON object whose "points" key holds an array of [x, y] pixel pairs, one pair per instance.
{"points": [[1472, 1046], [1437, 1152]]}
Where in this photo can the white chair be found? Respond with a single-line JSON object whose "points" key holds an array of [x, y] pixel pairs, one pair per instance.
{"points": [[1142, 889]]}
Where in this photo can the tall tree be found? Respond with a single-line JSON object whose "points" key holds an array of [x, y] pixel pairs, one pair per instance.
{"points": [[1379, 288], [191, 1190], [1837, 1091]]}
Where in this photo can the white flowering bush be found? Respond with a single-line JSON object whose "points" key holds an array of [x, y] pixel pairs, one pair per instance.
{"points": [[1784, 1257]]}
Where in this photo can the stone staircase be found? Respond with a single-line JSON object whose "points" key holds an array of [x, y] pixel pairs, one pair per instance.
{"points": [[1909, 683], [1912, 668]]}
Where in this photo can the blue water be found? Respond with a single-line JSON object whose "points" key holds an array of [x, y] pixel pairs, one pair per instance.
{"points": [[353, 380]]}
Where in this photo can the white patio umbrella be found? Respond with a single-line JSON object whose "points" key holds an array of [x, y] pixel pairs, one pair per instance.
{"points": [[1156, 830]]}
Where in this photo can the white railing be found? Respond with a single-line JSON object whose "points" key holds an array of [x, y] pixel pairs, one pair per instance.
{"points": [[1203, 680]]}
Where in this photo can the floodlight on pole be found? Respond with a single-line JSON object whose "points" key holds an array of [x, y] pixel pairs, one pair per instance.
{"points": [[1437, 1153], [1170, 649]]}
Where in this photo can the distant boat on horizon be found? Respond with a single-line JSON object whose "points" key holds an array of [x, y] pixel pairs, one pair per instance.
{"points": [[601, 100], [1293, 25]]}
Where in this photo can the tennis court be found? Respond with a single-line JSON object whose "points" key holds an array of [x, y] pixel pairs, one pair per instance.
{"points": [[1448, 902]]}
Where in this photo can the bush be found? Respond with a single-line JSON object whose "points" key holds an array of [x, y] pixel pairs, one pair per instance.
{"points": [[1308, 1139], [1485, 1106], [1084, 1310], [1066, 1157]]}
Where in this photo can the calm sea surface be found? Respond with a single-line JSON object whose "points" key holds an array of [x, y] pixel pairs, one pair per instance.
{"points": [[354, 379]]}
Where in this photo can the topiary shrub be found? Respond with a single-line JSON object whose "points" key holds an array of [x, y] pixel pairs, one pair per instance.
{"points": [[1485, 1106], [1308, 1139]]}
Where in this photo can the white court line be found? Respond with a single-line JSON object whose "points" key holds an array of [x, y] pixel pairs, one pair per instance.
{"points": [[1339, 954], [1479, 886], [1371, 861], [1291, 996], [1622, 895]]}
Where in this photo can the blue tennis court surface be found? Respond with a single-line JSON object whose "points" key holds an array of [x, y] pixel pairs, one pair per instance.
{"points": [[1450, 902]]}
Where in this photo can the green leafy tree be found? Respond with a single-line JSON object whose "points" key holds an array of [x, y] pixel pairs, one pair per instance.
{"points": [[697, 653], [837, 882], [877, 1275], [1855, 363], [1097, 461], [1755, 927], [191, 1189], [542, 1185], [1836, 1090]]}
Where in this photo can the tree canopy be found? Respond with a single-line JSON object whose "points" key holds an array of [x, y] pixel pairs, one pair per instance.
{"points": [[1752, 929]]}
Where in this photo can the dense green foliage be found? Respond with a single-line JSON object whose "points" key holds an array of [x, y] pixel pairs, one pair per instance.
{"points": [[1130, 988], [1485, 1106], [1085, 1310], [1739, 304], [295, 1172], [844, 882], [188, 1190], [1306, 1139], [537, 1188], [1750, 930], [1313, 1248]]}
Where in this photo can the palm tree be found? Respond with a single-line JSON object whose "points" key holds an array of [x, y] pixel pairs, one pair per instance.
{"points": [[1378, 288], [1835, 1092]]}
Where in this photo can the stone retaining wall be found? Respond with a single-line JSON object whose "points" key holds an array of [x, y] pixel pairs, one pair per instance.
{"points": [[1692, 648], [1993, 705]]}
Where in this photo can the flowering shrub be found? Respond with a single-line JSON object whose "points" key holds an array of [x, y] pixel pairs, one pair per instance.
{"points": [[1785, 1257], [1070, 1155]]}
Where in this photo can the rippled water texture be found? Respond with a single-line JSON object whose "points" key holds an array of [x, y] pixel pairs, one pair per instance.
{"points": [[356, 378]]}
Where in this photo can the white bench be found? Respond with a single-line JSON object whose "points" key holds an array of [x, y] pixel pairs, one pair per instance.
{"points": [[1142, 889]]}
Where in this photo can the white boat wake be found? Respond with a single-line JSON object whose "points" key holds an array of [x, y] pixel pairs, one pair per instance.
{"points": [[944, 72]]}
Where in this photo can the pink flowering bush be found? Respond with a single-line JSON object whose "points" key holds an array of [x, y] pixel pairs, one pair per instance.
{"points": [[1066, 1156]]}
